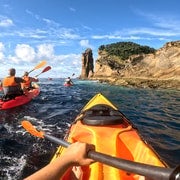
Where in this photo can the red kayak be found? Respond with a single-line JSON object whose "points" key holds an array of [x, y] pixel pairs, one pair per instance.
{"points": [[20, 100], [66, 84]]}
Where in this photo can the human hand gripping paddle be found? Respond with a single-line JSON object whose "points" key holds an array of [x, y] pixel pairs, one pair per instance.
{"points": [[44, 70], [153, 172]]}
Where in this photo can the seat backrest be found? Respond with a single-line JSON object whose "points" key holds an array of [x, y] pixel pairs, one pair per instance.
{"points": [[102, 115]]}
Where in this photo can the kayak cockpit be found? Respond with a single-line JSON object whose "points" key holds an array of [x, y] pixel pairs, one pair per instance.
{"points": [[100, 115]]}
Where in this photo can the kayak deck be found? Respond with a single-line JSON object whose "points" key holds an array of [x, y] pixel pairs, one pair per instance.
{"points": [[20, 100], [111, 133]]}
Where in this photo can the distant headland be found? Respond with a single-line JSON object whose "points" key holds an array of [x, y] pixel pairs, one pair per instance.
{"points": [[132, 65]]}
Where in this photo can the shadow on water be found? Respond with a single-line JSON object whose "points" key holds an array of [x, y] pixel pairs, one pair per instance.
{"points": [[154, 112]]}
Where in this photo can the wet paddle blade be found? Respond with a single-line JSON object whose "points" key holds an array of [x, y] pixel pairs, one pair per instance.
{"points": [[30, 128], [44, 70], [41, 64]]}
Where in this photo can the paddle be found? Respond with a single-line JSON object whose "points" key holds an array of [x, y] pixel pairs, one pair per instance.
{"points": [[44, 70], [41, 64], [153, 172]]}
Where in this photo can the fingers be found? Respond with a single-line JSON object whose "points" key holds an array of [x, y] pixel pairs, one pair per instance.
{"points": [[89, 147], [78, 152]]}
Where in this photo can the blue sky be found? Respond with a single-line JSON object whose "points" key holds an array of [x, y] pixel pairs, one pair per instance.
{"points": [[59, 31]]}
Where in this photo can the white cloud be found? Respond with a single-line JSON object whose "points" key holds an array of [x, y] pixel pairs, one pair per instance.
{"points": [[138, 33], [50, 22], [1, 46], [26, 57], [115, 36], [169, 24], [85, 43], [66, 65], [32, 14], [13, 60], [72, 9], [5, 22], [45, 51], [86, 27], [1, 51], [152, 32], [31, 33], [24, 52], [106, 37], [65, 33], [159, 27], [165, 24], [67, 59]]}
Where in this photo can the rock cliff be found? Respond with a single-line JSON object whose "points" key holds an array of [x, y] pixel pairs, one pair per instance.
{"points": [[160, 69]]}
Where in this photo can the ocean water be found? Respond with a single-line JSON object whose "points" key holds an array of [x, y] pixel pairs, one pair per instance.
{"points": [[156, 113]]}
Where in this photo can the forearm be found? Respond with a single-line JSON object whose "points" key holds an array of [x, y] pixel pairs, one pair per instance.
{"points": [[75, 155], [54, 170]]}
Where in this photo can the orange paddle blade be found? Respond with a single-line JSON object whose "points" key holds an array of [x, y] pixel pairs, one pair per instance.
{"points": [[31, 129], [41, 64]]}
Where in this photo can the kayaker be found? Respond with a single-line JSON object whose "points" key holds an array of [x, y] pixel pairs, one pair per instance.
{"points": [[75, 155], [68, 81], [28, 81], [12, 85]]}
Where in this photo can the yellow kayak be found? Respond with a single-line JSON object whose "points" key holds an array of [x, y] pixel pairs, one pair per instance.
{"points": [[102, 124]]}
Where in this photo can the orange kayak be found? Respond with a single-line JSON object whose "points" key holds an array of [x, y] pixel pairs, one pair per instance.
{"points": [[21, 100], [102, 124]]}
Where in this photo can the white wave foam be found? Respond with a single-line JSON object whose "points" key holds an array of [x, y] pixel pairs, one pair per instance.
{"points": [[14, 171]]}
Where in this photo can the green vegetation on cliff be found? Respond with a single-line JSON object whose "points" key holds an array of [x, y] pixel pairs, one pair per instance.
{"points": [[125, 49]]}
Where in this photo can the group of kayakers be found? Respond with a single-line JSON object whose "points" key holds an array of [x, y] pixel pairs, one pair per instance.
{"points": [[13, 86]]}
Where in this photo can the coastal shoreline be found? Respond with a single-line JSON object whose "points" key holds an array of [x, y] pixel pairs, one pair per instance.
{"points": [[141, 82]]}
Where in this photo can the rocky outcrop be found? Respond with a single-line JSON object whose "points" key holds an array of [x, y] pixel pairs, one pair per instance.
{"points": [[87, 64], [161, 69]]}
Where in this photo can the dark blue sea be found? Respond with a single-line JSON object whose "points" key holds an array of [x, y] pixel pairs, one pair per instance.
{"points": [[156, 113]]}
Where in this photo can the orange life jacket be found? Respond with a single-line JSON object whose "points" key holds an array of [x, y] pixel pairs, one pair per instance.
{"points": [[27, 84], [9, 81]]}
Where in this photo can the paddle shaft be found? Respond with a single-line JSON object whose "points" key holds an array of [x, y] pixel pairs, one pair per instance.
{"points": [[150, 171]]}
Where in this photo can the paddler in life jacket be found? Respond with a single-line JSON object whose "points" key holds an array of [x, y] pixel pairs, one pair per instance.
{"points": [[27, 85], [68, 81], [12, 85]]}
